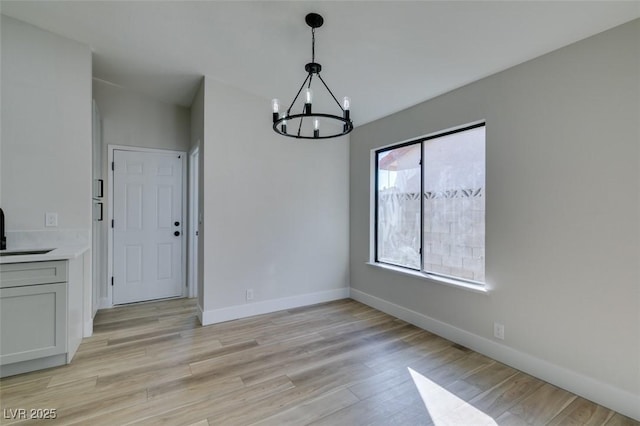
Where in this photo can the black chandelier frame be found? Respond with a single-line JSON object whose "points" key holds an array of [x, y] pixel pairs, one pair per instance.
{"points": [[313, 68]]}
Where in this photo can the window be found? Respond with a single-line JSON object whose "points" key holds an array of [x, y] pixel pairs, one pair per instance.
{"points": [[430, 204]]}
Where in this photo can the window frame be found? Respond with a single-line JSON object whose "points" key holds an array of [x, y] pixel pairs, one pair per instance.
{"points": [[448, 279], [375, 191]]}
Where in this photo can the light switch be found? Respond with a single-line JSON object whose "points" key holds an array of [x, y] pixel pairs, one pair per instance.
{"points": [[51, 219]]}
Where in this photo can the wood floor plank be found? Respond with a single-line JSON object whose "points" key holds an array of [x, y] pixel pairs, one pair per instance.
{"points": [[337, 363], [508, 419], [379, 383], [203, 422], [260, 358], [143, 378], [500, 398], [379, 406], [26, 387], [542, 405], [582, 413], [124, 324], [482, 380], [620, 420], [217, 410], [459, 368], [413, 416], [48, 397], [72, 411], [418, 347], [194, 385], [97, 366], [312, 410]]}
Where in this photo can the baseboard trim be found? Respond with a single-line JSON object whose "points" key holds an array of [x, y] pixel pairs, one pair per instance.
{"points": [[88, 328], [32, 365], [200, 315], [215, 316], [601, 393], [105, 303]]}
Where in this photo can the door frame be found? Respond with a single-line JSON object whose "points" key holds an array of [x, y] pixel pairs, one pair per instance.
{"points": [[194, 211], [183, 157]]}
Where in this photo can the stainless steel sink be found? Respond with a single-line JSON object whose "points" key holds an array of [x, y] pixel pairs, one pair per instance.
{"points": [[24, 252]]}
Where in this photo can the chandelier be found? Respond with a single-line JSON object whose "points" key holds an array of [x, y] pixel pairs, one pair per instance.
{"points": [[294, 125]]}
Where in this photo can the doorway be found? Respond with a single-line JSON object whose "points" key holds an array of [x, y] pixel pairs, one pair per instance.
{"points": [[148, 209]]}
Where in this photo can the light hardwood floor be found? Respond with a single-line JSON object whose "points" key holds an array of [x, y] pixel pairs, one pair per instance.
{"points": [[339, 363]]}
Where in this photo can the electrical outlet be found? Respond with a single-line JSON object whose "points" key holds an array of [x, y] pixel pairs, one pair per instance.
{"points": [[50, 219], [249, 294], [498, 330]]}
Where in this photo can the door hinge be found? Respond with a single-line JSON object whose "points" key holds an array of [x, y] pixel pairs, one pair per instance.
{"points": [[112, 223], [112, 281], [113, 165]]}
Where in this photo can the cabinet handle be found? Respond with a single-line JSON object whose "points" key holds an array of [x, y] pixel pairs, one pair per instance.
{"points": [[101, 217], [99, 188]]}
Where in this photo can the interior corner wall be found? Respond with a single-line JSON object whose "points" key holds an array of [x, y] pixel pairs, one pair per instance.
{"points": [[46, 129], [275, 211], [197, 135], [562, 217]]}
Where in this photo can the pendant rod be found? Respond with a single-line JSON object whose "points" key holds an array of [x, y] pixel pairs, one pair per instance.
{"points": [[313, 44], [329, 90]]}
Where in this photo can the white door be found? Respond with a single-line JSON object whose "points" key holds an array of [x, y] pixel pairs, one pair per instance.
{"points": [[147, 228]]}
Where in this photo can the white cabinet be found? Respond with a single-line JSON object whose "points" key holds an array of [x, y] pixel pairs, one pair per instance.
{"points": [[37, 328]]}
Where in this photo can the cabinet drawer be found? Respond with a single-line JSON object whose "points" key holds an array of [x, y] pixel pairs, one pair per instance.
{"points": [[31, 273], [33, 322]]}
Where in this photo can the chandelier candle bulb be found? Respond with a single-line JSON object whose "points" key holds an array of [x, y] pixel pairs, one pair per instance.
{"points": [[275, 105], [346, 105], [283, 126], [308, 98], [316, 128]]}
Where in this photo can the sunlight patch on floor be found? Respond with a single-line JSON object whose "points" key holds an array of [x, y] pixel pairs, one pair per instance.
{"points": [[446, 408]]}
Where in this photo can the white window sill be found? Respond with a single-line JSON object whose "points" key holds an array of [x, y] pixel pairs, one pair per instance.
{"points": [[475, 288]]}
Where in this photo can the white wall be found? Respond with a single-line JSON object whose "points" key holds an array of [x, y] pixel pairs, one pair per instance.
{"points": [[46, 129], [275, 211], [131, 119], [562, 224]]}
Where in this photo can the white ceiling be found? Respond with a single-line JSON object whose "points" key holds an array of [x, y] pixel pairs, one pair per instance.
{"points": [[386, 56]]}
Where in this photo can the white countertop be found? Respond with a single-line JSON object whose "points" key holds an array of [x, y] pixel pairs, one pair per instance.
{"points": [[63, 252]]}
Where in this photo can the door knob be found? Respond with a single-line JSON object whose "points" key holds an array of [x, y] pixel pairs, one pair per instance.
{"points": [[176, 223], [177, 233]]}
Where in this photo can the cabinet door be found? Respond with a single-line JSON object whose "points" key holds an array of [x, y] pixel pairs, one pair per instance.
{"points": [[33, 322]]}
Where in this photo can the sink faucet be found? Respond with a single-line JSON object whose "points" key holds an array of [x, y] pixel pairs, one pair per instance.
{"points": [[3, 238]]}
